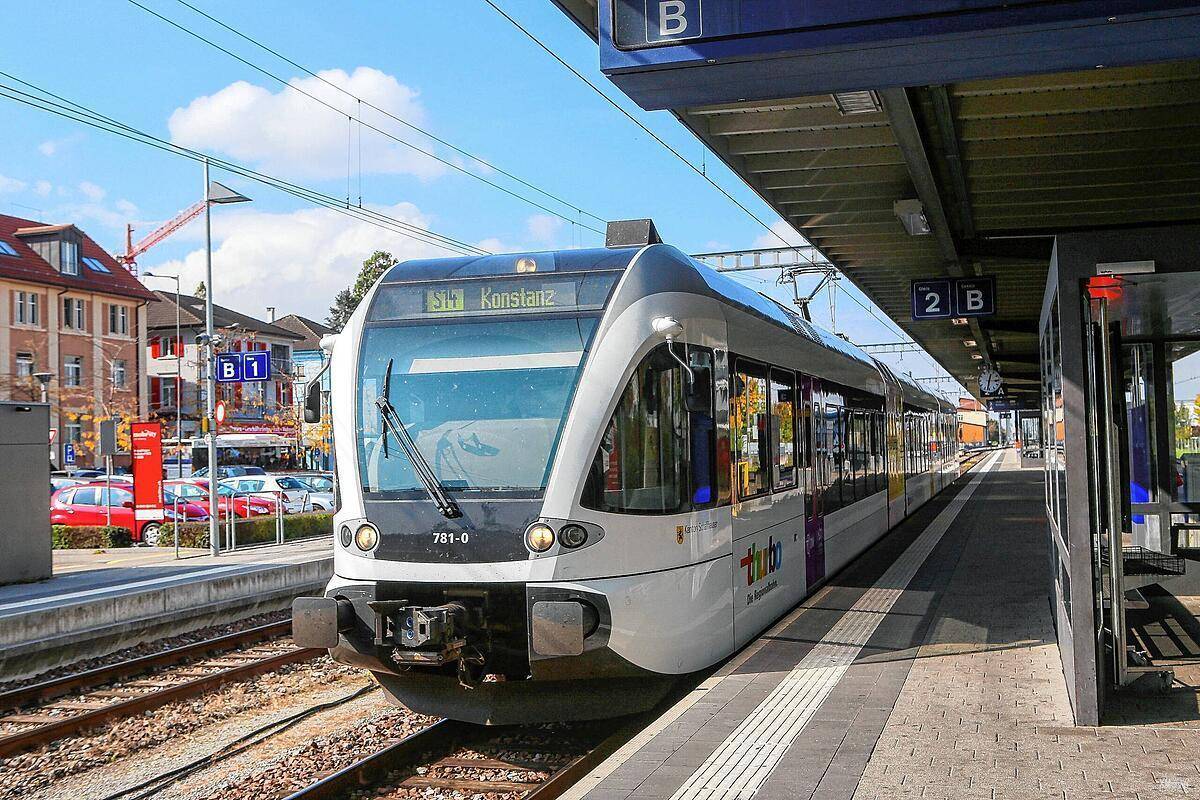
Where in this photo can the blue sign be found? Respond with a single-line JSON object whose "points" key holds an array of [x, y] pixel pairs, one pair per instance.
{"points": [[256, 366], [69, 454], [931, 299], [942, 298], [679, 53], [975, 297], [243, 367], [229, 368]]}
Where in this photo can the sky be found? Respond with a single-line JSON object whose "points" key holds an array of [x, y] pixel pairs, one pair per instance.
{"points": [[455, 69]]}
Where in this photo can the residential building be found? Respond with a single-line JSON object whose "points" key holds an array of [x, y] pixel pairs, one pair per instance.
{"points": [[260, 424], [308, 358], [73, 315]]}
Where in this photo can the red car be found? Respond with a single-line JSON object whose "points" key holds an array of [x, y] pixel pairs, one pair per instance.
{"points": [[195, 491], [94, 504]]}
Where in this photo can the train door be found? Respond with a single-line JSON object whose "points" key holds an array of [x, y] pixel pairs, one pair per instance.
{"points": [[765, 561], [814, 517], [895, 455]]}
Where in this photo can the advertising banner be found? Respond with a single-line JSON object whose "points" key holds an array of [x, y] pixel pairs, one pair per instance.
{"points": [[147, 470]]}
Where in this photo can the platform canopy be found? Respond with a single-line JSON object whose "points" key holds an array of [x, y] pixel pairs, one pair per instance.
{"points": [[1001, 148]]}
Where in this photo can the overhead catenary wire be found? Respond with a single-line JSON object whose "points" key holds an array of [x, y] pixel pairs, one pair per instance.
{"points": [[389, 135], [77, 112], [702, 172], [461, 151]]}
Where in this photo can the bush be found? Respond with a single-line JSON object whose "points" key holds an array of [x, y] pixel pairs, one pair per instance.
{"points": [[251, 531], [64, 537]]}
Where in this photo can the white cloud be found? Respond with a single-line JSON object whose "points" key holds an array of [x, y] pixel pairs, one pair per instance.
{"points": [[42, 188], [295, 261], [8, 184], [52, 147], [543, 228], [289, 133], [782, 234], [91, 191]]}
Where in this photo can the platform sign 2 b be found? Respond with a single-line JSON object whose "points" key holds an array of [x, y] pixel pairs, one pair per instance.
{"points": [[942, 298]]}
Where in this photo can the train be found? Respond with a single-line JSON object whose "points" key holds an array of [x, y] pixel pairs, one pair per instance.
{"points": [[567, 479]]}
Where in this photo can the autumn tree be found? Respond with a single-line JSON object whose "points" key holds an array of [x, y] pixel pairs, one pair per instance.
{"points": [[345, 301]]}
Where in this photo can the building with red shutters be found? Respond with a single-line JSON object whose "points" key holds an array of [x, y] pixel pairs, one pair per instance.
{"points": [[261, 426]]}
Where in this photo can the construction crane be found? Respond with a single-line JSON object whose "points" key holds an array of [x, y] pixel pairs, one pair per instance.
{"points": [[132, 251]]}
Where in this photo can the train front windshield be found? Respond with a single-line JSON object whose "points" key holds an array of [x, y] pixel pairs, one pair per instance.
{"points": [[483, 399]]}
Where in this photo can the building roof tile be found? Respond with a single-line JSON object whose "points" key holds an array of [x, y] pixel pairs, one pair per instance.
{"points": [[27, 265]]}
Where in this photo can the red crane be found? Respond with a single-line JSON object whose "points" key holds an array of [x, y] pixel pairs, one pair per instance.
{"points": [[132, 251]]}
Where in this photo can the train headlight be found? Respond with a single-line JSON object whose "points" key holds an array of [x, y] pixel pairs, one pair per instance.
{"points": [[345, 535], [540, 537], [366, 537], [572, 535]]}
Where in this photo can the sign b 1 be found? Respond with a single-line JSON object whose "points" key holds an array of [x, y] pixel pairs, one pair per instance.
{"points": [[942, 298], [243, 367]]}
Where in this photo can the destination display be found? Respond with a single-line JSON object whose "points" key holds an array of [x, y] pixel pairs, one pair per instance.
{"points": [[500, 296]]}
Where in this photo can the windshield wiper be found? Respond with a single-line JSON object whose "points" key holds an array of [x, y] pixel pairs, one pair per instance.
{"points": [[394, 425]]}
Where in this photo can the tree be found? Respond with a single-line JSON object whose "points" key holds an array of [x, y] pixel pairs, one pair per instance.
{"points": [[200, 290], [345, 301]]}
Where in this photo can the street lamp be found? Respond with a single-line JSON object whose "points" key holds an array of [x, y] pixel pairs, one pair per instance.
{"points": [[223, 195], [43, 379]]}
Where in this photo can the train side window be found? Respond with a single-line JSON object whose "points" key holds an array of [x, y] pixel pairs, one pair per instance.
{"points": [[702, 428], [642, 464], [783, 430], [835, 451], [749, 428]]}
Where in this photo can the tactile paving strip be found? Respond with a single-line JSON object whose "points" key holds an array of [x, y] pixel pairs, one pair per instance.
{"points": [[742, 763]]}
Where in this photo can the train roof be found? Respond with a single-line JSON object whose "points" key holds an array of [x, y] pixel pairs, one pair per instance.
{"points": [[662, 268], [585, 260]]}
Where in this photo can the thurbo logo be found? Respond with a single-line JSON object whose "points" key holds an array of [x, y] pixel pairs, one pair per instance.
{"points": [[761, 563]]}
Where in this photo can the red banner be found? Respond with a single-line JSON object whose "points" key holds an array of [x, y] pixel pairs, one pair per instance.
{"points": [[147, 470]]}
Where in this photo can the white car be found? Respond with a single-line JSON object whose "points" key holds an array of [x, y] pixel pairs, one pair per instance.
{"points": [[297, 495]]}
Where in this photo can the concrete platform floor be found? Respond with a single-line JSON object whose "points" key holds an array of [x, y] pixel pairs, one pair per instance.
{"points": [[942, 680]]}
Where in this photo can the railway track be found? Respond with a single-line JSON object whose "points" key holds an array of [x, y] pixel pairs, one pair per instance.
{"points": [[86, 706], [458, 758]]}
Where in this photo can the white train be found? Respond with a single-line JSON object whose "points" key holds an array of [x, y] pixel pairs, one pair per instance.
{"points": [[568, 478]]}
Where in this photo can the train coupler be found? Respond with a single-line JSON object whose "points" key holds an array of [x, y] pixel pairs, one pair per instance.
{"points": [[428, 636]]}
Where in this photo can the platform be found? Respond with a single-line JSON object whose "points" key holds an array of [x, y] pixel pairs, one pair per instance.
{"points": [[100, 601], [928, 668]]}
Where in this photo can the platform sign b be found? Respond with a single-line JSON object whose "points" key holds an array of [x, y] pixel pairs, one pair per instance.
{"points": [[672, 20], [975, 297]]}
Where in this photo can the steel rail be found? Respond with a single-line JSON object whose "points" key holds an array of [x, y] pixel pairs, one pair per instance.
{"points": [[57, 687], [432, 746], [56, 728], [410, 751]]}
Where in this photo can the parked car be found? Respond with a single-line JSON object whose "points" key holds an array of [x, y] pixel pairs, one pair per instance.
{"points": [[230, 471], [297, 495], [196, 492], [57, 483], [87, 474], [94, 504], [319, 481]]}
